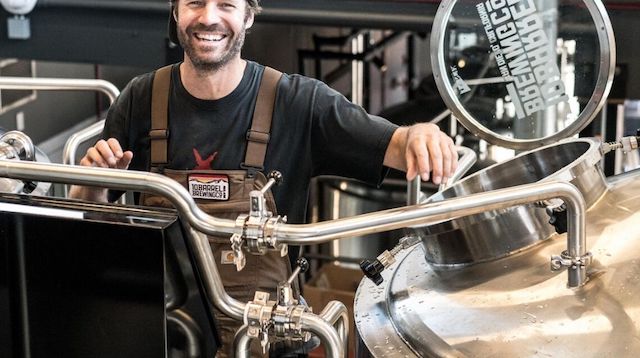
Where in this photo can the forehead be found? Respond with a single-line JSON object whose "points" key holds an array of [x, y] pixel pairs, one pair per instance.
{"points": [[176, 2]]}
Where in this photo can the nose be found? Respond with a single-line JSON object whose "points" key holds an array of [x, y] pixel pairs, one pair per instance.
{"points": [[210, 14]]}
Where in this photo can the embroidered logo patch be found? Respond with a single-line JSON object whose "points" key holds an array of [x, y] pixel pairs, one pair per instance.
{"points": [[209, 186]]}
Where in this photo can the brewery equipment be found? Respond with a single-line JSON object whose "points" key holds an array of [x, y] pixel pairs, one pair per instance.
{"points": [[488, 284]]}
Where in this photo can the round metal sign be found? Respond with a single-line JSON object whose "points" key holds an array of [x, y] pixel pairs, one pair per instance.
{"points": [[523, 73]]}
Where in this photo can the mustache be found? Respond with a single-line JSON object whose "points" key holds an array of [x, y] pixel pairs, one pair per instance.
{"points": [[205, 28]]}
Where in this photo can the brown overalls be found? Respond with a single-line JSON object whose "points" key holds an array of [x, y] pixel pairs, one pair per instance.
{"points": [[261, 273]]}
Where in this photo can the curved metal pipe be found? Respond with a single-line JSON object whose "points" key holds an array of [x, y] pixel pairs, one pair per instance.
{"points": [[74, 141], [58, 84], [431, 213], [212, 281], [190, 329], [123, 180], [323, 231], [335, 312], [331, 341], [64, 84], [242, 343]]}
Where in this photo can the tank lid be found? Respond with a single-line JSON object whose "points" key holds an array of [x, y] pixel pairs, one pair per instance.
{"points": [[523, 73]]}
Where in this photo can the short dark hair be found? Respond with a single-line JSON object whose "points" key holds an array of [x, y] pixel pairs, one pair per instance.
{"points": [[254, 5]]}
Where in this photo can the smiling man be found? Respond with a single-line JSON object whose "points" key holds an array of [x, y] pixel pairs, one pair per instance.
{"points": [[216, 122]]}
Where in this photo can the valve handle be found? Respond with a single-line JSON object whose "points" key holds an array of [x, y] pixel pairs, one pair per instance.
{"points": [[277, 177], [558, 218], [372, 269], [302, 265]]}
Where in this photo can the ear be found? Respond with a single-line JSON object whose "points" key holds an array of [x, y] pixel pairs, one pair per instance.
{"points": [[249, 21]]}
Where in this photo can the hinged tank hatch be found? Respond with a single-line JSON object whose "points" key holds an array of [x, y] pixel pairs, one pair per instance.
{"points": [[523, 73]]}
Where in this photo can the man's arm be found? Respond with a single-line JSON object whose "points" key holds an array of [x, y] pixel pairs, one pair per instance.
{"points": [[105, 154], [424, 150]]}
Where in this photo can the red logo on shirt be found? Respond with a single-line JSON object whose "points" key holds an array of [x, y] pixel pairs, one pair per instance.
{"points": [[203, 164]]}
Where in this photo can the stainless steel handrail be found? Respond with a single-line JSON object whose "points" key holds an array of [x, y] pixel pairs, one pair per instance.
{"points": [[326, 231], [58, 84], [74, 141], [65, 84], [314, 233]]}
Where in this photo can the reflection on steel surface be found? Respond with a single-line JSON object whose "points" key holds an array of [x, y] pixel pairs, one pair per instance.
{"points": [[515, 306]]}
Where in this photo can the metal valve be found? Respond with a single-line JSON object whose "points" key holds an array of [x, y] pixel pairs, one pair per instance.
{"points": [[275, 178], [302, 265], [565, 260], [558, 217], [373, 268], [280, 319], [285, 290], [627, 144], [257, 228]]}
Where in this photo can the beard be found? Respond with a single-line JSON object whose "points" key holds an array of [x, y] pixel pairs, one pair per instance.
{"points": [[206, 62]]}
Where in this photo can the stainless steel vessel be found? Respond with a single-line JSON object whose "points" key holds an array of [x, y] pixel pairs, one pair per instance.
{"points": [[515, 306], [16, 145], [517, 74], [493, 234]]}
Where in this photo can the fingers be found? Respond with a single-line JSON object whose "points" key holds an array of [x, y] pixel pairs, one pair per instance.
{"points": [[124, 162], [430, 153], [423, 163], [107, 154], [449, 157], [454, 156]]}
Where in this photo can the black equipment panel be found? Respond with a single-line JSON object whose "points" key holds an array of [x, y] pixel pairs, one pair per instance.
{"points": [[87, 280]]}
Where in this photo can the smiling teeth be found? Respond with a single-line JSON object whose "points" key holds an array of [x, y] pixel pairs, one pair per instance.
{"points": [[210, 37]]}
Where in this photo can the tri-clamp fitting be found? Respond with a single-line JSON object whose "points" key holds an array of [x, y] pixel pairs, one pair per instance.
{"points": [[281, 319], [627, 144], [257, 227], [565, 260], [17, 145], [373, 268]]}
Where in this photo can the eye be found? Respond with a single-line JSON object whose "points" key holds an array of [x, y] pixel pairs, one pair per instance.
{"points": [[228, 5], [195, 3]]}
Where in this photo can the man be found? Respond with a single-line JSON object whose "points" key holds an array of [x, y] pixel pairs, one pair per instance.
{"points": [[210, 137]]}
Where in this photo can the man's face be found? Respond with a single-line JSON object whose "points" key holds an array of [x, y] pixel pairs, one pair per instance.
{"points": [[212, 32]]}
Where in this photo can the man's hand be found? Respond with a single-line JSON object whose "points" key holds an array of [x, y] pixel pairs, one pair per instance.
{"points": [[105, 154], [423, 150]]}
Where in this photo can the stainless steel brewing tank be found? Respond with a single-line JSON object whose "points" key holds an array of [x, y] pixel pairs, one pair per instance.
{"points": [[497, 233], [525, 75], [515, 306]]}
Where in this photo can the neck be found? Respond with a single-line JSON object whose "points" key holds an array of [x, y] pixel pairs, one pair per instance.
{"points": [[212, 85]]}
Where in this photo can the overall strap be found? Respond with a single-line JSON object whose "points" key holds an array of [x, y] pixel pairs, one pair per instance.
{"points": [[159, 134], [258, 135]]}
